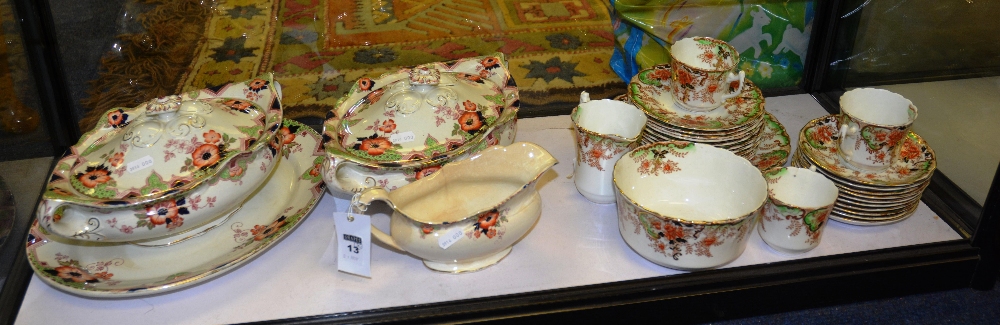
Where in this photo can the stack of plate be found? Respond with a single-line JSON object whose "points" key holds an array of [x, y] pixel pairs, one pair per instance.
{"points": [[740, 124], [867, 197]]}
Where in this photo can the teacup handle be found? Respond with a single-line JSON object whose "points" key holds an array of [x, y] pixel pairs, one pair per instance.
{"points": [[844, 130], [734, 77], [360, 203]]}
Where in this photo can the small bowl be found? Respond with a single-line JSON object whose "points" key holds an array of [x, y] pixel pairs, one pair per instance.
{"points": [[687, 206]]}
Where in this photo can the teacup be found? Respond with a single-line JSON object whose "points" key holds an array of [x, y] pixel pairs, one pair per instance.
{"points": [[605, 130], [798, 203], [702, 73], [873, 122]]}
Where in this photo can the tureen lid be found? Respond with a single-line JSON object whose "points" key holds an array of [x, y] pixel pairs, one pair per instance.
{"points": [[168, 145], [413, 115]]}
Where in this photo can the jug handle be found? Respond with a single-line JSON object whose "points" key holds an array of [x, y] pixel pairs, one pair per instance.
{"points": [[360, 203]]}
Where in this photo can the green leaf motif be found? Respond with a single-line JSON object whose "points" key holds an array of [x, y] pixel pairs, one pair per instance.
{"points": [[431, 145], [812, 219], [388, 155], [644, 78], [648, 227], [496, 99], [153, 182], [93, 148], [100, 191], [350, 123]]}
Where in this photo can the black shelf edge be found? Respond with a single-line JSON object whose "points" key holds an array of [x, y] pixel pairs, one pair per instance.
{"points": [[710, 295]]}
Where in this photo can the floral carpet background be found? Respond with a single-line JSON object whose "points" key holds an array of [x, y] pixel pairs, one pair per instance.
{"points": [[317, 48]]}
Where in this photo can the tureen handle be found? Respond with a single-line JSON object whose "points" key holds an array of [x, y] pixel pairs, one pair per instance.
{"points": [[360, 203]]}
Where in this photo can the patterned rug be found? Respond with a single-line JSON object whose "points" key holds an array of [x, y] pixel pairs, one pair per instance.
{"points": [[556, 48]]}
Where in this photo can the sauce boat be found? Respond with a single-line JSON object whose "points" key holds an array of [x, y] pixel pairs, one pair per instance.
{"points": [[469, 214]]}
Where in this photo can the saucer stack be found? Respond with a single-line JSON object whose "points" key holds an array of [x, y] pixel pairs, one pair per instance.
{"points": [[740, 124], [867, 197]]}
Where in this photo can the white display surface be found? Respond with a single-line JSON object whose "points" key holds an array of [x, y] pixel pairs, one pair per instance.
{"points": [[574, 243]]}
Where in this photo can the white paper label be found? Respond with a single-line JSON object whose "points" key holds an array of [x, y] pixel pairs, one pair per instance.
{"points": [[140, 164], [450, 238], [403, 137], [354, 243]]}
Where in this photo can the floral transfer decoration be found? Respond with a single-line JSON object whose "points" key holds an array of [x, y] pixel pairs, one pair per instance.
{"points": [[467, 118], [799, 220], [653, 159], [595, 150], [879, 142], [650, 91], [914, 163], [775, 146], [96, 174], [71, 273], [488, 225], [468, 127], [676, 239], [272, 223]]}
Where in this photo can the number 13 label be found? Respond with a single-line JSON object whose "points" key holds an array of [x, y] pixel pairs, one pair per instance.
{"points": [[354, 243]]}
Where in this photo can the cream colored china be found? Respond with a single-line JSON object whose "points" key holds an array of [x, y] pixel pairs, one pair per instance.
{"points": [[395, 129], [798, 203], [467, 215], [166, 166], [775, 147], [869, 205], [914, 163], [867, 191], [685, 205], [117, 270], [729, 135], [873, 124], [704, 73], [886, 220], [605, 130], [649, 90]]}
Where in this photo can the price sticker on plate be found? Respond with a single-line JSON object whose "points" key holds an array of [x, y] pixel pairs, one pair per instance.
{"points": [[354, 243], [140, 164], [403, 137]]}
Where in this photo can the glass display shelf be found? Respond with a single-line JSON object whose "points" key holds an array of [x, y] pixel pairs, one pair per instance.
{"points": [[574, 259]]}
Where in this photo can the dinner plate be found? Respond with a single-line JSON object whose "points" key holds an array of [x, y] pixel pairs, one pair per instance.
{"points": [[125, 270]]}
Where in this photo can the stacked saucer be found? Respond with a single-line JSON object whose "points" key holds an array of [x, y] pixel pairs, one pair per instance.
{"points": [[740, 124], [867, 197]]}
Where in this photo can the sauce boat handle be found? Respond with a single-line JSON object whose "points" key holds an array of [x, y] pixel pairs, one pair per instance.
{"points": [[360, 203]]}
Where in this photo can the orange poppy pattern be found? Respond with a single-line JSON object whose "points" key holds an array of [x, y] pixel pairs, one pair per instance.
{"points": [[676, 239], [94, 176], [71, 272], [167, 213], [117, 118], [488, 224]]}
